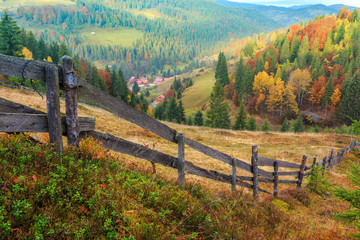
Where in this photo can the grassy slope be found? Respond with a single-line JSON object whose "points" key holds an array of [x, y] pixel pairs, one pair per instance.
{"points": [[109, 36], [290, 147]]}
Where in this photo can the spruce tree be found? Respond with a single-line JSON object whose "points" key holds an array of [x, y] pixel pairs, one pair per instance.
{"points": [[251, 124], [265, 126], [136, 88], [328, 93], [285, 51], [181, 113], [43, 49], [199, 120], [240, 123], [217, 115], [221, 73], [189, 121], [172, 111], [63, 50], [123, 89], [285, 126], [350, 102], [299, 125], [10, 37], [239, 77]]}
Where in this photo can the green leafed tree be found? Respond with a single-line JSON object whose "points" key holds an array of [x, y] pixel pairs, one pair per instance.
{"points": [[10, 37], [350, 102], [199, 119], [221, 73], [240, 123], [217, 115]]}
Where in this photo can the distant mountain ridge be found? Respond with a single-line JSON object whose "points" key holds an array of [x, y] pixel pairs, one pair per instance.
{"points": [[286, 16]]}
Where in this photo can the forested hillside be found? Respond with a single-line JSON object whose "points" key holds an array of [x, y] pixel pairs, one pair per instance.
{"points": [[166, 34], [310, 70]]}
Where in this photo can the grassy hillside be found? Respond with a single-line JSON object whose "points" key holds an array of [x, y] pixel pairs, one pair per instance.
{"points": [[93, 193]]}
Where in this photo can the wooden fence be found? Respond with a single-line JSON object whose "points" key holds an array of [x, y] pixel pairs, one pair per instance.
{"points": [[19, 118]]}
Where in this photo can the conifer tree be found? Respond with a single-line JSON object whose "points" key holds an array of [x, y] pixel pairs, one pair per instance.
{"points": [[10, 37], [181, 113], [265, 127], [298, 125], [295, 44], [217, 115], [123, 89], [221, 73], [172, 112], [329, 90], [285, 51], [251, 124], [136, 88], [63, 51], [199, 120], [240, 123], [285, 125], [350, 102], [189, 121]]}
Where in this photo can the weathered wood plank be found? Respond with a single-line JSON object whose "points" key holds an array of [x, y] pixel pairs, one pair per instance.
{"points": [[233, 175], [93, 95], [192, 169], [276, 178], [181, 160], [263, 161], [123, 146], [301, 174], [7, 106], [24, 122], [289, 173], [70, 90], [14, 66], [53, 106], [254, 163], [224, 157]]}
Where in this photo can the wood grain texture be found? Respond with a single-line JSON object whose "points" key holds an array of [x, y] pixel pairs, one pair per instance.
{"points": [[181, 160], [95, 96], [24, 122], [254, 163], [301, 173], [224, 157], [263, 161], [53, 106], [276, 178], [70, 91], [7, 106]]}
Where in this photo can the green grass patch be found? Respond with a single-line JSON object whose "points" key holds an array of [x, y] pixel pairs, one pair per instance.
{"points": [[87, 194], [110, 36], [199, 94]]}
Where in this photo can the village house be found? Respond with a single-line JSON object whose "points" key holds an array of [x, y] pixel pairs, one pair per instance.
{"points": [[160, 98]]}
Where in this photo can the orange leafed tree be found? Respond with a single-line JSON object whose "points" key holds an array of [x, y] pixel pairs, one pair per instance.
{"points": [[317, 91], [106, 77], [170, 94]]}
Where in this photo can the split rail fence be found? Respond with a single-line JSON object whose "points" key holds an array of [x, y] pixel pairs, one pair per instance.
{"points": [[15, 118]]}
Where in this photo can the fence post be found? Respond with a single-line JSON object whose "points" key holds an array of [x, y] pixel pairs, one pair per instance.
{"points": [[181, 160], [233, 182], [324, 165], [254, 162], [301, 173], [314, 161], [276, 178], [53, 106], [70, 90]]}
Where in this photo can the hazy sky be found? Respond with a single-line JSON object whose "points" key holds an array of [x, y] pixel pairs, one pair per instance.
{"points": [[355, 3]]}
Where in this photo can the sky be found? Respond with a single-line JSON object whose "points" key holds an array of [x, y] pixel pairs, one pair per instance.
{"points": [[283, 3]]}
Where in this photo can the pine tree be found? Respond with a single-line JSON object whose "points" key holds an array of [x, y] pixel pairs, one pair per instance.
{"points": [[217, 115], [221, 73], [285, 51], [136, 88], [123, 89], [298, 125], [340, 33], [181, 113], [63, 50], [285, 126], [172, 111], [239, 76], [329, 90], [10, 37], [251, 124], [240, 123], [43, 49], [265, 127], [295, 44], [350, 102], [199, 120], [189, 121]]}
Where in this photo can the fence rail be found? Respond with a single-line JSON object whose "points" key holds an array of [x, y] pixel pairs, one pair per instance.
{"points": [[15, 117]]}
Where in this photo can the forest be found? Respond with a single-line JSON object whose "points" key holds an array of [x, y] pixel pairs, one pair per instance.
{"points": [[175, 33]]}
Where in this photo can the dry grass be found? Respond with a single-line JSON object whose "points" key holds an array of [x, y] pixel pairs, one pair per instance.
{"points": [[317, 218], [282, 146]]}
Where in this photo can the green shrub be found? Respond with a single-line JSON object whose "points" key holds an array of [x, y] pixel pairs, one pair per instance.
{"points": [[298, 125]]}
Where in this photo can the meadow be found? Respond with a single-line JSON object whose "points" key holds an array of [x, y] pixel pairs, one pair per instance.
{"points": [[122, 36], [311, 212]]}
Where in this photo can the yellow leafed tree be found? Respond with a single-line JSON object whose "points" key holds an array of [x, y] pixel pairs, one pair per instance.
{"points": [[300, 80], [49, 59], [262, 83], [150, 112], [275, 99], [336, 97], [27, 54]]}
